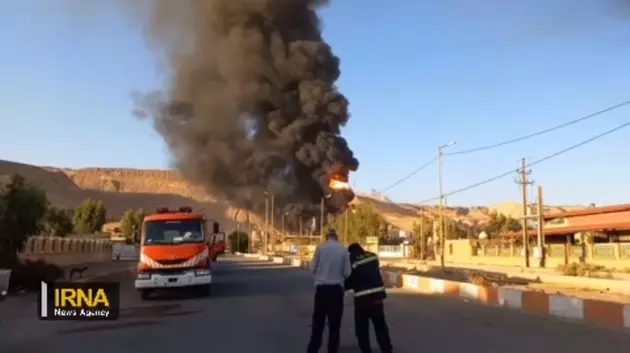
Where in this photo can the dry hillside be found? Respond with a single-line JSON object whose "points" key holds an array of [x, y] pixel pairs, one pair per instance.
{"points": [[121, 189]]}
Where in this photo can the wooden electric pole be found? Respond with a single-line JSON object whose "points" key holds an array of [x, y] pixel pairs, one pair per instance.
{"points": [[273, 223], [321, 222], [524, 182], [250, 236], [423, 241], [541, 228], [266, 231]]}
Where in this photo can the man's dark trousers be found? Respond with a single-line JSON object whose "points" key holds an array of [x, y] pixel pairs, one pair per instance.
{"points": [[363, 314], [328, 306]]}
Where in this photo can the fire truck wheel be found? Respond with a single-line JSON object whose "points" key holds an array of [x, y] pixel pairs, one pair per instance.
{"points": [[145, 294]]}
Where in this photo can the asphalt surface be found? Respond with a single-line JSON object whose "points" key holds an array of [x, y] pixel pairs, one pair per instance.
{"points": [[258, 307]]}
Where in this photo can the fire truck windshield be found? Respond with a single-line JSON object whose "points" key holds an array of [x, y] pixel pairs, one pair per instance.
{"points": [[173, 232]]}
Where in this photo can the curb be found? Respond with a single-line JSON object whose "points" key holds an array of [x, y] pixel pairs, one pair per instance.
{"points": [[588, 310]]}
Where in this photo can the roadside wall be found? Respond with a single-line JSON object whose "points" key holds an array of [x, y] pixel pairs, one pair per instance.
{"points": [[67, 251], [610, 255]]}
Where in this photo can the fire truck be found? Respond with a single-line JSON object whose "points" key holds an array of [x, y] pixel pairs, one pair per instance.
{"points": [[177, 250]]}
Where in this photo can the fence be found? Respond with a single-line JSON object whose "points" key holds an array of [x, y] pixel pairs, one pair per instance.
{"points": [[58, 245], [394, 251], [609, 251]]}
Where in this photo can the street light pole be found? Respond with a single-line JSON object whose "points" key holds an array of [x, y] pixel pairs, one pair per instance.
{"points": [[284, 233], [266, 228], [273, 223], [321, 221], [441, 207], [345, 226]]}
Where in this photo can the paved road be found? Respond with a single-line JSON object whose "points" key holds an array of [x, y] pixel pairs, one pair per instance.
{"points": [[263, 308]]}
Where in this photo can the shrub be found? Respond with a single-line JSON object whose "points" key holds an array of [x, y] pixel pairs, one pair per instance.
{"points": [[584, 270], [28, 275], [89, 217], [22, 208]]}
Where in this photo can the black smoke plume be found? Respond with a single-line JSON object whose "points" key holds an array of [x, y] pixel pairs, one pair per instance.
{"points": [[252, 105]]}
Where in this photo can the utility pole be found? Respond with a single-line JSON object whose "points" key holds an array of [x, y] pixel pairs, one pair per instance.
{"points": [[321, 222], [441, 208], [423, 242], [266, 231], [300, 226], [345, 226], [284, 233], [524, 182], [273, 223], [541, 227], [250, 236]]}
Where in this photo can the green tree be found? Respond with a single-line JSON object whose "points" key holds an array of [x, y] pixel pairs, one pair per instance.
{"points": [[127, 224], [100, 217], [455, 230], [84, 217], [138, 218], [130, 224], [57, 222], [361, 221], [22, 208], [89, 217], [500, 223], [421, 233]]}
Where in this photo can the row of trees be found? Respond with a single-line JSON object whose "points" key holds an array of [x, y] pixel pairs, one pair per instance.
{"points": [[88, 218], [357, 223], [362, 221], [25, 211], [500, 223], [22, 210]]}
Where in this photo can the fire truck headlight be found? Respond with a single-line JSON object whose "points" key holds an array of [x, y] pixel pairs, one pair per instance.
{"points": [[144, 276], [202, 272]]}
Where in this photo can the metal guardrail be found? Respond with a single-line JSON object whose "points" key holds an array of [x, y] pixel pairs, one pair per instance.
{"points": [[5, 275]]}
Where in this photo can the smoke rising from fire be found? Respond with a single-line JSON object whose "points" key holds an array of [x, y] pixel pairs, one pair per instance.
{"points": [[252, 105]]}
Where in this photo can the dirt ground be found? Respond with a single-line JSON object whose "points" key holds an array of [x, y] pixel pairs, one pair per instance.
{"points": [[501, 280], [576, 292]]}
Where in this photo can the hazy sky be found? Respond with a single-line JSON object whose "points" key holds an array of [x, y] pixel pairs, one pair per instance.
{"points": [[417, 73]]}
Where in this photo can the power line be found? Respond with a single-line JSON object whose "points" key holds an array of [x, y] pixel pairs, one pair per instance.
{"points": [[544, 159], [418, 170], [483, 148], [542, 132]]}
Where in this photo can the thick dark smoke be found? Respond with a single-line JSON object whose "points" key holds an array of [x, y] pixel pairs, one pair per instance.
{"points": [[252, 103]]}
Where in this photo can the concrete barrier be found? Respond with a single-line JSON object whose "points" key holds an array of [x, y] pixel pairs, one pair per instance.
{"points": [[592, 311], [533, 274], [125, 252], [70, 259], [67, 251]]}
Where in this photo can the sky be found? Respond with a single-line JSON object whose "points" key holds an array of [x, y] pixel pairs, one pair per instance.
{"points": [[418, 74]]}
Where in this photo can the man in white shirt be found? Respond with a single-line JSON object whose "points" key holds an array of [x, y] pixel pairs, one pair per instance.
{"points": [[331, 266]]}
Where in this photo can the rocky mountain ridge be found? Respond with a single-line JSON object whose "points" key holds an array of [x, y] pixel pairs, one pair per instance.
{"points": [[121, 189]]}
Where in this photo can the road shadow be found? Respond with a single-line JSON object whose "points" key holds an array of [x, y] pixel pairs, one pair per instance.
{"points": [[252, 281], [416, 319], [130, 317]]}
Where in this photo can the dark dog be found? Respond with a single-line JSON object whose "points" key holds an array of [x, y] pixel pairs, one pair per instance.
{"points": [[77, 270]]}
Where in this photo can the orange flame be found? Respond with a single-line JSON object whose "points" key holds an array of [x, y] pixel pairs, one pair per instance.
{"points": [[339, 185]]}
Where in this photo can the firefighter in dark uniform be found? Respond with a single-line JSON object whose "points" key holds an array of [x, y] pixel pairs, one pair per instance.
{"points": [[369, 293]]}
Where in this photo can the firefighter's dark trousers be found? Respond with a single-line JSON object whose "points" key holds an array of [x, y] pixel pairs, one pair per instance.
{"points": [[328, 306], [363, 314]]}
